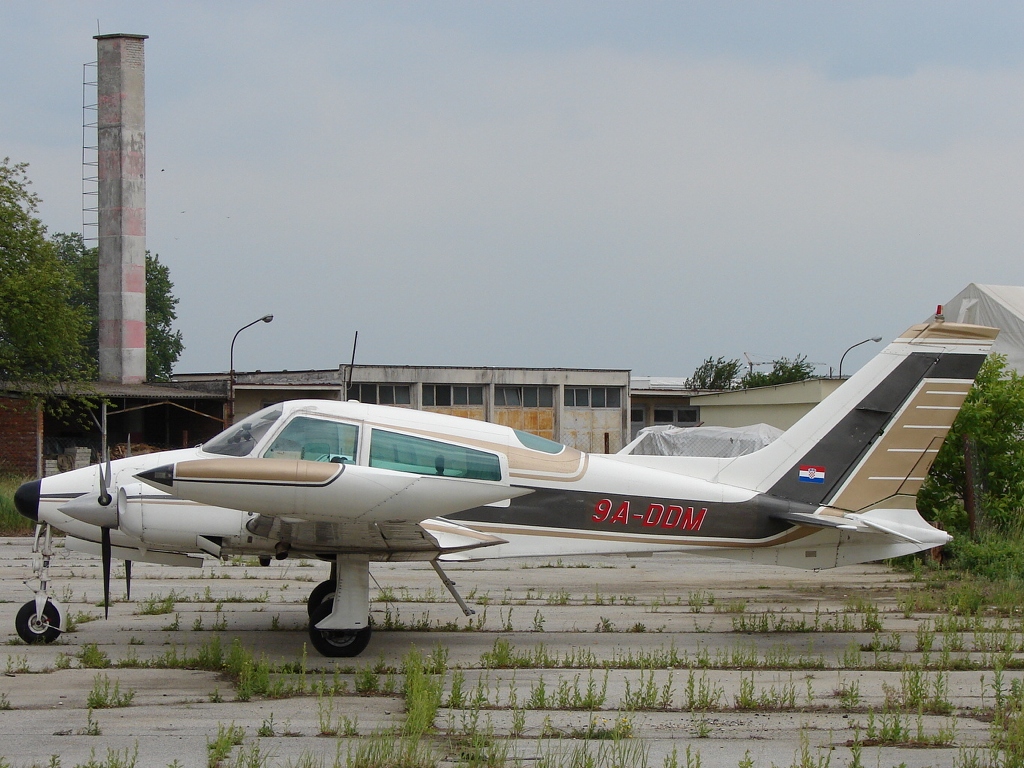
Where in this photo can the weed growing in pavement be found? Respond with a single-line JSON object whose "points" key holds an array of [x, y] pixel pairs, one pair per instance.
{"points": [[115, 759], [227, 738], [92, 727], [91, 657], [106, 696], [16, 665], [154, 605]]}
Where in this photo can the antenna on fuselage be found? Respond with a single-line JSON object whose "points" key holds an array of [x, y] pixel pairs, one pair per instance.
{"points": [[352, 365]]}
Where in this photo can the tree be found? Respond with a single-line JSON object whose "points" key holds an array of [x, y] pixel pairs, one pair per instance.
{"points": [[715, 374], [783, 371], [41, 329], [163, 344], [992, 417]]}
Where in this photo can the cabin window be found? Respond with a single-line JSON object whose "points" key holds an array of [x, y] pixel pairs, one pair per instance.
{"points": [[405, 453], [316, 440], [536, 443]]}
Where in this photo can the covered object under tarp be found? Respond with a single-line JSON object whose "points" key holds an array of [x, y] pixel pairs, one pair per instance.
{"points": [[998, 306], [721, 442]]}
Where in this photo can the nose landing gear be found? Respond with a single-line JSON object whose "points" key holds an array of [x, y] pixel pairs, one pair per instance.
{"points": [[40, 620]]}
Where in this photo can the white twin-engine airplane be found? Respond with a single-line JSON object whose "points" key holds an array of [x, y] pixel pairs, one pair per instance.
{"points": [[354, 483]]}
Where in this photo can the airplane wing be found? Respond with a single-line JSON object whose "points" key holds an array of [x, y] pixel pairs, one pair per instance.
{"points": [[299, 491], [392, 541]]}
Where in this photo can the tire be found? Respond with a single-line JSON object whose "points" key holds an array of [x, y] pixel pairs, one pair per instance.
{"points": [[322, 591], [33, 629], [336, 643]]}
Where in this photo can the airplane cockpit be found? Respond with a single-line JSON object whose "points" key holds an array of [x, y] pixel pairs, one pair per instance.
{"points": [[242, 438], [305, 434]]}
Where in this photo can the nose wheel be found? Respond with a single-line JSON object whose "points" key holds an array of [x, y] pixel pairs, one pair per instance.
{"points": [[38, 626]]}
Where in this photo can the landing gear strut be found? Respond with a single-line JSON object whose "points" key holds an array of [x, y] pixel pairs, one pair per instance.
{"points": [[40, 620], [336, 624]]}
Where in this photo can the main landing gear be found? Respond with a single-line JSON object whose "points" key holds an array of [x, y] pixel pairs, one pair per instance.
{"points": [[336, 606], [40, 620], [339, 619]]}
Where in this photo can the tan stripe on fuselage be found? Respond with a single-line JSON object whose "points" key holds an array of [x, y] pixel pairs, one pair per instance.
{"points": [[786, 537], [263, 471]]}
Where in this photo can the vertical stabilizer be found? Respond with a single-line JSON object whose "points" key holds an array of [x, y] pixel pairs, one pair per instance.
{"points": [[877, 435]]}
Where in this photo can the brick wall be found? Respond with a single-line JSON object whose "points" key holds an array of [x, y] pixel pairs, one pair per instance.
{"points": [[20, 422]]}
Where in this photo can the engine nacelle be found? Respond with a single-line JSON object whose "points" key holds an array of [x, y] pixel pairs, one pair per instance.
{"points": [[167, 522]]}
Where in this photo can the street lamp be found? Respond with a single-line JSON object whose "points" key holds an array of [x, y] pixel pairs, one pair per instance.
{"points": [[231, 375], [873, 338]]}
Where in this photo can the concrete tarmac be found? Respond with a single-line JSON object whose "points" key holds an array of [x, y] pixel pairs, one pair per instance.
{"points": [[730, 661]]}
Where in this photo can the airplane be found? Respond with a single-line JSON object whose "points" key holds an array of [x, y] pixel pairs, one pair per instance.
{"points": [[353, 483]]}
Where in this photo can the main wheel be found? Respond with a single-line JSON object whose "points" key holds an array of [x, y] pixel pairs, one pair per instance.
{"points": [[33, 628], [336, 642], [323, 591]]}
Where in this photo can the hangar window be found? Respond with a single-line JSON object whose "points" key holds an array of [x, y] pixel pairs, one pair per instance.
{"points": [[524, 397], [445, 395], [382, 394], [315, 440], [682, 417], [593, 397], [405, 453]]}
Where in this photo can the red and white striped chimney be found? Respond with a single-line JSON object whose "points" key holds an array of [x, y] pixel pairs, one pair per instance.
{"points": [[121, 134]]}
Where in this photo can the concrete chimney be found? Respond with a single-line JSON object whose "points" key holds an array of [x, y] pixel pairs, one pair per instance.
{"points": [[121, 134]]}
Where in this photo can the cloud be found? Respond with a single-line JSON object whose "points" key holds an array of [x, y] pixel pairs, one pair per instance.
{"points": [[461, 195]]}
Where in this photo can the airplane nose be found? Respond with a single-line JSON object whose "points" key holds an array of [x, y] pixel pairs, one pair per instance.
{"points": [[26, 499]]}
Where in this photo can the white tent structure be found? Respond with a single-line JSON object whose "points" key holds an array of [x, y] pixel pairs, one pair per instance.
{"points": [[666, 440], [999, 306]]}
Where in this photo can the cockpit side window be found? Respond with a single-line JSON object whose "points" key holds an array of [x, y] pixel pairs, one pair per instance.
{"points": [[405, 453], [316, 440], [240, 439]]}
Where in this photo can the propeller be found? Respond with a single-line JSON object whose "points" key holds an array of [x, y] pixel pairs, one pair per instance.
{"points": [[104, 500]]}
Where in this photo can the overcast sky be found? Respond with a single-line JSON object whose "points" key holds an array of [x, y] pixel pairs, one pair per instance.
{"points": [[576, 184]]}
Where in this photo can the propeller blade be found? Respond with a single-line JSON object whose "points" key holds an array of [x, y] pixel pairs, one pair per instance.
{"points": [[105, 554], [128, 579]]}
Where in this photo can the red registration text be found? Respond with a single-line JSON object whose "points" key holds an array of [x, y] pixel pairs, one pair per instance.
{"points": [[656, 515]]}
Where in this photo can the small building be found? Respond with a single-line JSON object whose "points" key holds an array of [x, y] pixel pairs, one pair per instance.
{"points": [[663, 401], [157, 415], [585, 409], [780, 405]]}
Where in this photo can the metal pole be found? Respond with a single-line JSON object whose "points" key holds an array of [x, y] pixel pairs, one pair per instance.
{"points": [[875, 339], [231, 374]]}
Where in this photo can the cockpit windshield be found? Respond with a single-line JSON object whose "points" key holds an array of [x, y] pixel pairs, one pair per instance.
{"points": [[240, 439]]}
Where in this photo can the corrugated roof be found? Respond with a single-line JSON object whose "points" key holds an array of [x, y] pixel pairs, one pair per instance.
{"points": [[109, 389]]}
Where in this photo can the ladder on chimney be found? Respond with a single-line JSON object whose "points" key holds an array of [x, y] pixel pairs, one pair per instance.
{"points": [[90, 153]]}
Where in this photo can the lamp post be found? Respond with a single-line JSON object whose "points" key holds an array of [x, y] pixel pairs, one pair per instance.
{"points": [[231, 375], [873, 338]]}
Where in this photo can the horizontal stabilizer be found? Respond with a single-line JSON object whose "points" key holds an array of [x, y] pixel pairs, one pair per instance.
{"points": [[905, 524], [814, 521]]}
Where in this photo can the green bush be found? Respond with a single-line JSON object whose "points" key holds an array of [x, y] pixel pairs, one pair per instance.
{"points": [[11, 521]]}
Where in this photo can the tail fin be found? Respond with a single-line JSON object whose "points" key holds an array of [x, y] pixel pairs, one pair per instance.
{"points": [[877, 435]]}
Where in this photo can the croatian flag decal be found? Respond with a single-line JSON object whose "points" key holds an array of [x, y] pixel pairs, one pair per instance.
{"points": [[812, 474]]}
